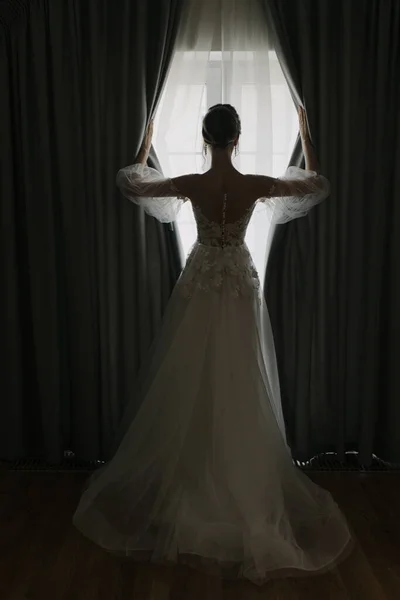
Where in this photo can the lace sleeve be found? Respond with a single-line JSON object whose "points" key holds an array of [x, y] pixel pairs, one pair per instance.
{"points": [[147, 188], [294, 194]]}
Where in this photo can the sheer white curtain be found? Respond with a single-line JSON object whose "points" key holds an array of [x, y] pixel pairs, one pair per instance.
{"points": [[224, 55]]}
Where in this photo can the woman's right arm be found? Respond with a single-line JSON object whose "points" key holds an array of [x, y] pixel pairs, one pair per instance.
{"points": [[308, 149], [296, 181]]}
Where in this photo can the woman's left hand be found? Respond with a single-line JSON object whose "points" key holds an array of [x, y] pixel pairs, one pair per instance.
{"points": [[148, 136], [146, 145]]}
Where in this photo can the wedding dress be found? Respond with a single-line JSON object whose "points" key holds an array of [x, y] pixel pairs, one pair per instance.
{"points": [[203, 474]]}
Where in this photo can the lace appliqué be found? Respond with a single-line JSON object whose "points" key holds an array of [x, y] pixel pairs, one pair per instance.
{"points": [[211, 233], [208, 267], [220, 256]]}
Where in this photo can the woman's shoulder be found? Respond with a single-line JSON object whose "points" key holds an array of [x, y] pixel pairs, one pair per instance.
{"points": [[186, 184]]}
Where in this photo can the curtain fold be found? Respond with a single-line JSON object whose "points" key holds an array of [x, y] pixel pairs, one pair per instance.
{"points": [[85, 275], [332, 281]]}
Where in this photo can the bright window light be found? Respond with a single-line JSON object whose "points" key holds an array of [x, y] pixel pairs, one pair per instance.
{"points": [[178, 126]]}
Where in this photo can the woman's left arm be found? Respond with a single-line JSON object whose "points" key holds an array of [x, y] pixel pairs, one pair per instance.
{"points": [[146, 145]]}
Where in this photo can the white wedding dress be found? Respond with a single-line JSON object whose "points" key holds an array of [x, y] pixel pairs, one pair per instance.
{"points": [[203, 474]]}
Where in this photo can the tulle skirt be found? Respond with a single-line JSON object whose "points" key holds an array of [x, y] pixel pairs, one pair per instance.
{"points": [[203, 474]]}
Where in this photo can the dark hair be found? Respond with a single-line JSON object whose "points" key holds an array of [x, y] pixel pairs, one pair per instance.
{"points": [[221, 126]]}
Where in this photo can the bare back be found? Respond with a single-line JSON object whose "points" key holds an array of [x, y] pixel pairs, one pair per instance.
{"points": [[223, 197], [209, 190]]}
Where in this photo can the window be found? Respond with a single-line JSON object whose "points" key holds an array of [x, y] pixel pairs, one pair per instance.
{"points": [[269, 126]]}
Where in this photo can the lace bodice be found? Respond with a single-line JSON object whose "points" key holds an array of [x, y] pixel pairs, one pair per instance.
{"points": [[211, 233], [220, 261], [220, 258]]}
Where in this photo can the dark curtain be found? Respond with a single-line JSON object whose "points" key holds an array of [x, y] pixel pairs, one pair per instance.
{"points": [[332, 280], [85, 275]]}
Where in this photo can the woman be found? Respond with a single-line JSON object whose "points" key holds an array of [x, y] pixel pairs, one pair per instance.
{"points": [[203, 474]]}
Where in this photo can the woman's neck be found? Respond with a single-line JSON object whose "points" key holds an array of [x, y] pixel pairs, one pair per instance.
{"points": [[221, 159]]}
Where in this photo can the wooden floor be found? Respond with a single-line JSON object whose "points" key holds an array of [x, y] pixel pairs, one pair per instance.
{"points": [[42, 557]]}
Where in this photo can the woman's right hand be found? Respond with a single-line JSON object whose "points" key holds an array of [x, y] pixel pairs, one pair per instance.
{"points": [[303, 125], [308, 150]]}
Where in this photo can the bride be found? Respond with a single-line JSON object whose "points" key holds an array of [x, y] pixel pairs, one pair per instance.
{"points": [[203, 474]]}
